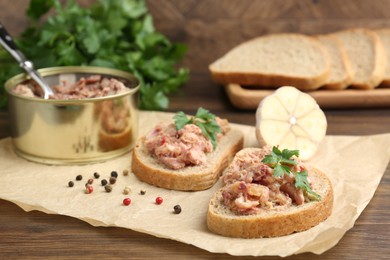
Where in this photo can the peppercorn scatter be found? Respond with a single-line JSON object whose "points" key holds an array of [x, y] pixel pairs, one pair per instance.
{"points": [[159, 200], [89, 189], [112, 180], [177, 209], [126, 201], [108, 184], [127, 190], [108, 188]]}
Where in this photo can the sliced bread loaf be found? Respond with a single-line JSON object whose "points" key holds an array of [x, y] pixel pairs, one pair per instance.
{"points": [[274, 60], [191, 178], [384, 35], [341, 73], [366, 55]]}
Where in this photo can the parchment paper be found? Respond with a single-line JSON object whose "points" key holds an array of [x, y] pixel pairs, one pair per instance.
{"points": [[355, 164]]}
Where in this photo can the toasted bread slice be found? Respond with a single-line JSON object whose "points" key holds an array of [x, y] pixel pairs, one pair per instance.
{"points": [[191, 178], [366, 54], [274, 60], [340, 69], [273, 222], [384, 35]]}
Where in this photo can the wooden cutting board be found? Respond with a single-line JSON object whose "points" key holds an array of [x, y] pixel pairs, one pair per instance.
{"points": [[244, 98]]}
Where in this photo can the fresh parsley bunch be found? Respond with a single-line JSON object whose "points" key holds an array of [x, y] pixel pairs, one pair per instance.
{"points": [[281, 162], [111, 33], [204, 120]]}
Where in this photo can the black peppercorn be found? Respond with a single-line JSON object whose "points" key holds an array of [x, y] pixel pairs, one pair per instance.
{"points": [[142, 192], [104, 182], [90, 181], [70, 183], [108, 188], [114, 174], [79, 177], [96, 175], [112, 180], [177, 209]]}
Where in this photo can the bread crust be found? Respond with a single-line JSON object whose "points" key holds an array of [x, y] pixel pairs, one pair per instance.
{"points": [[192, 178], [273, 223], [384, 35], [270, 80]]}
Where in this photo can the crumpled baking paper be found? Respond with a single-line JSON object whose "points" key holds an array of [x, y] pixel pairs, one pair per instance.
{"points": [[355, 165]]}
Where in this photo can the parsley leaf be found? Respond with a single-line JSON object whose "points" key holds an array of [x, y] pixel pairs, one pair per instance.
{"points": [[114, 34], [204, 120], [302, 182], [181, 120], [281, 162]]}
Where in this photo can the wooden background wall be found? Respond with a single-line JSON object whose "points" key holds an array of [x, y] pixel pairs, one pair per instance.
{"points": [[212, 27]]}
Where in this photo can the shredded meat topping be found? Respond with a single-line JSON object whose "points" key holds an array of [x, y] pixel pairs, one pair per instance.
{"points": [[251, 185], [89, 87], [178, 149]]}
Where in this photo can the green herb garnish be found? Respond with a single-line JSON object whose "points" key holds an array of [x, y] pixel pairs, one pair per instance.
{"points": [[204, 120], [114, 34], [281, 162]]}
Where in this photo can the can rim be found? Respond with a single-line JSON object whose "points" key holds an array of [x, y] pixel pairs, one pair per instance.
{"points": [[13, 81]]}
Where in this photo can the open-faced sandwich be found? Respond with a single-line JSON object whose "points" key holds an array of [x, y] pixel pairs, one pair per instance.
{"points": [[188, 154], [269, 193]]}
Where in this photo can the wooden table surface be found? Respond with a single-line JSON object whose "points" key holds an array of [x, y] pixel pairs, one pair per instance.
{"points": [[210, 28]]}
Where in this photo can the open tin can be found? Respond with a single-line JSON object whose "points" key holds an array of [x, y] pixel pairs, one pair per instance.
{"points": [[58, 132]]}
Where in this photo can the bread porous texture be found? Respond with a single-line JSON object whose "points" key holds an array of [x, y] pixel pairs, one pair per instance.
{"points": [[274, 60], [367, 57], [341, 73]]}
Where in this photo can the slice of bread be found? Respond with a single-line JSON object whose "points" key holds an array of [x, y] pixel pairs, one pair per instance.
{"points": [[273, 222], [367, 57], [274, 60], [191, 178], [340, 69], [384, 35]]}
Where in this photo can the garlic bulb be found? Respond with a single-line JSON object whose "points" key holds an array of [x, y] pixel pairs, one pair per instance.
{"points": [[291, 119]]}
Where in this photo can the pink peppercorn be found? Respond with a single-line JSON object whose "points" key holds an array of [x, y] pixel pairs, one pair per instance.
{"points": [[127, 201], [159, 200], [89, 189]]}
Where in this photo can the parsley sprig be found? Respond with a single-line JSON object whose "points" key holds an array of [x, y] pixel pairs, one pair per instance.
{"points": [[282, 161], [113, 34], [204, 120]]}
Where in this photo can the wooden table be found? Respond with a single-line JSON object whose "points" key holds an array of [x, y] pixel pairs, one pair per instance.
{"points": [[210, 28]]}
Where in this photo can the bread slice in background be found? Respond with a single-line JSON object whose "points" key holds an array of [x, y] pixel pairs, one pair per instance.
{"points": [[341, 73], [274, 60], [384, 35], [273, 223], [191, 178], [367, 57]]}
